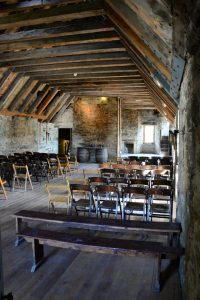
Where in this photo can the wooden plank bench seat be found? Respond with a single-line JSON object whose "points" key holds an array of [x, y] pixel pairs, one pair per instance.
{"points": [[88, 243], [80, 242], [173, 230]]}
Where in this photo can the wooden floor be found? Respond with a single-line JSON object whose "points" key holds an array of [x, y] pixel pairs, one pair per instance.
{"points": [[73, 275]]}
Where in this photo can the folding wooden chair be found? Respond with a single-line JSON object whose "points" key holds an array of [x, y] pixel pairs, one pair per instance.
{"points": [[2, 182], [82, 199], [58, 194], [21, 173]]}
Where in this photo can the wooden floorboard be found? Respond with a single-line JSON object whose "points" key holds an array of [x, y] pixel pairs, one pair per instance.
{"points": [[72, 275]]}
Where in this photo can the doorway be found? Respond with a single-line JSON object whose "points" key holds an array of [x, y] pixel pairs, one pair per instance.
{"points": [[64, 140]]}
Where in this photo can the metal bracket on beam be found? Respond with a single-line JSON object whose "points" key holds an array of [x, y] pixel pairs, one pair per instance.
{"points": [[178, 65]]}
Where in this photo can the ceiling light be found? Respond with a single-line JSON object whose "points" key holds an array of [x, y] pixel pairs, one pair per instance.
{"points": [[75, 74]]}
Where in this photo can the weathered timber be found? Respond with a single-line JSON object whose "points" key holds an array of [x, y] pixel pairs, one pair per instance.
{"points": [[61, 41], [68, 59], [5, 76], [76, 65], [38, 99], [46, 101], [54, 14], [5, 112], [79, 71], [136, 41], [62, 51], [63, 108], [10, 90], [87, 25], [58, 98], [37, 86], [26, 88], [141, 29]]}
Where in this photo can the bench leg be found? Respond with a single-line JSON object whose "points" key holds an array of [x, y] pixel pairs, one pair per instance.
{"points": [[19, 226], [157, 279], [38, 255]]}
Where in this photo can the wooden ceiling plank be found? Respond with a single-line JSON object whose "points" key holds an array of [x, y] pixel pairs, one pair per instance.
{"points": [[5, 76], [97, 24], [156, 20], [63, 109], [53, 14], [56, 100], [60, 41], [142, 29], [91, 76], [63, 51], [54, 111], [7, 6], [10, 90], [34, 89], [38, 99], [26, 87], [71, 66], [85, 71], [83, 58], [46, 101], [136, 41]]}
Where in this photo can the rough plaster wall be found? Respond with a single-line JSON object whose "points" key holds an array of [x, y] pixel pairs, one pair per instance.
{"points": [[66, 120], [188, 211], [95, 123], [23, 134]]}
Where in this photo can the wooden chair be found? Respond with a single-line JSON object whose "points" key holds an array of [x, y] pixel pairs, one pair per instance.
{"points": [[2, 182], [161, 203], [135, 202], [139, 182], [91, 173], [82, 199], [161, 183], [21, 173], [108, 200], [58, 194], [108, 172]]}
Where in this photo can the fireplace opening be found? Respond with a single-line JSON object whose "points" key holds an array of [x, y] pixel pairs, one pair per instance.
{"points": [[128, 147]]}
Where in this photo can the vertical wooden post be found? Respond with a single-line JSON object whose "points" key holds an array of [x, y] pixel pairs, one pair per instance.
{"points": [[118, 126]]}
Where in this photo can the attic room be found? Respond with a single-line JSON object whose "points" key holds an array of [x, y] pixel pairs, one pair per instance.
{"points": [[88, 86]]}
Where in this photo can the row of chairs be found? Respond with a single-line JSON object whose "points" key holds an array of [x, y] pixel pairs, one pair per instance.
{"points": [[117, 195]]}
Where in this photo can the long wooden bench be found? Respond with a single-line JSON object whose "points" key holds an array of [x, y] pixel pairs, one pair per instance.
{"points": [[88, 243]]}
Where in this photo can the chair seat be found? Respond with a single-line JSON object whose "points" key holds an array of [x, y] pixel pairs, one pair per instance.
{"points": [[107, 204], [63, 199], [134, 206], [81, 202], [160, 208]]}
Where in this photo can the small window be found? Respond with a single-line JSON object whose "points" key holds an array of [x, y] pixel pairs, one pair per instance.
{"points": [[149, 134]]}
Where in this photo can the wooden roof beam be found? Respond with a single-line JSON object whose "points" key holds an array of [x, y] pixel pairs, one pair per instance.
{"points": [[40, 96], [63, 51], [60, 41], [46, 101], [32, 93], [82, 26], [76, 66], [5, 112], [27, 87], [53, 14], [82, 58], [136, 41], [10, 90]]}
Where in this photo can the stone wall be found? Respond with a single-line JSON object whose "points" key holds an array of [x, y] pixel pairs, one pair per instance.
{"points": [[132, 129], [25, 134], [95, 122], [188, 210]]}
